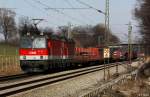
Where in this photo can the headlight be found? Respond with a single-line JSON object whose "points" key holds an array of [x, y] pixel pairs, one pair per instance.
{"points": [[41, 57], [24, 57]]}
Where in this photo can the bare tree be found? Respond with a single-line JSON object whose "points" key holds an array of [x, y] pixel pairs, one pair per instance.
{"points": [[47, 31], [7, 23], [92, 35], [142, 14], [24, 23], [63, 31]]}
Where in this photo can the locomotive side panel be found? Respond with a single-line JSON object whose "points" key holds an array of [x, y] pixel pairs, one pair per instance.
{"points": [[61, 49], [71, 49], [61, 53]]}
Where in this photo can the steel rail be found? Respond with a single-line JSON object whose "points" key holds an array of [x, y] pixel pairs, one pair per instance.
{"points": [[17, 87], [12, 77]]}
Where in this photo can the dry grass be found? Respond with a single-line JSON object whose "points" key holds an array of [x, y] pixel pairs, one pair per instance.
{"points": [[147, 59], [9, 59], [133, 89], [7, 49], [9, 65], [130, 88]]}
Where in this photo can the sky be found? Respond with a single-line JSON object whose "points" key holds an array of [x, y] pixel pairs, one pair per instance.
{"points": [[121, 12]]}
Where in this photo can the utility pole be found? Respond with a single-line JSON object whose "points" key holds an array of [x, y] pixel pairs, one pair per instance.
{"points": [[107, 22], [99, 41], [129, 42], [106, 60], [69, 33]]}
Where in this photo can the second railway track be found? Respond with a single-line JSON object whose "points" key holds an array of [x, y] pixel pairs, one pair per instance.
{"points": [[28, 84], [13, 77]]}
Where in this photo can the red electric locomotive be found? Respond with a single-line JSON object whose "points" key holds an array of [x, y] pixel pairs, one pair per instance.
{"points": [[41, 53]]}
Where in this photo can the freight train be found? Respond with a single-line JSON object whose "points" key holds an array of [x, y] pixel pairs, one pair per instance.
{"points": [[42, 53]]}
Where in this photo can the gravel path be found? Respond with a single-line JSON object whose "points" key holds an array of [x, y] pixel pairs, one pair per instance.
{"points": [[68, 87]]}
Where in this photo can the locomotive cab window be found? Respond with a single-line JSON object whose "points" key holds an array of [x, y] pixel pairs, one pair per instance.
{"points": [[39, 43], [26, 42]]}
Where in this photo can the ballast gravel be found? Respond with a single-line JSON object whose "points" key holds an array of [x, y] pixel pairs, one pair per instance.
{"points": [[70, 87]]}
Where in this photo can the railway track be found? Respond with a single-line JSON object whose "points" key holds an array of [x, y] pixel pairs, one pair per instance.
{"points": [[21, 86], [13, 77]]}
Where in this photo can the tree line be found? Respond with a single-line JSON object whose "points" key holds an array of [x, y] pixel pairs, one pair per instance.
{"points": [[84, 36], [142, 14], [7, 24]]}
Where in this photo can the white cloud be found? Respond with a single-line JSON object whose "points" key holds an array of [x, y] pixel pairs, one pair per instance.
{"points": [[1, 37]]}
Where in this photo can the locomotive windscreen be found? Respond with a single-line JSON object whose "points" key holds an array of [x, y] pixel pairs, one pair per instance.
{"points": [[39, 43], [28, 42]]}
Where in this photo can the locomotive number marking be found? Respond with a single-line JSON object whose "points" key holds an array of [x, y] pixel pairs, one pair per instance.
{"points": [[32, 52]]}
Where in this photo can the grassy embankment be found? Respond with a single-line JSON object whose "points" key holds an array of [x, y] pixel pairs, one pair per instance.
{"points": [[9, 62]]}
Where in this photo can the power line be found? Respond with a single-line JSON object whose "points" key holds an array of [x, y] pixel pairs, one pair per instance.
{"points": [[16, 13], [81, 2], [44, 10], [56, 10], [85, 4], [29, 3], [63, 8], [69, 8], [7, 8], [38, 8], [70, 4]]}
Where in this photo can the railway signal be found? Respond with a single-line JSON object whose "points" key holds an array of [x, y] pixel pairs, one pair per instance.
{"points": [[106, 53]]}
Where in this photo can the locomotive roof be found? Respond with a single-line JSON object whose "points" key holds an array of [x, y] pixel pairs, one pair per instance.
{"points": [[62, 38], [53, 37]]}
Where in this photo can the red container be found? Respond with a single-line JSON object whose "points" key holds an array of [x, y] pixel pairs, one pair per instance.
{"points": [[87, 54]]}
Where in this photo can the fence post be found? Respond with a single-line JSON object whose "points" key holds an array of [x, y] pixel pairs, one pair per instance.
{"points": [[1, 63]]}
